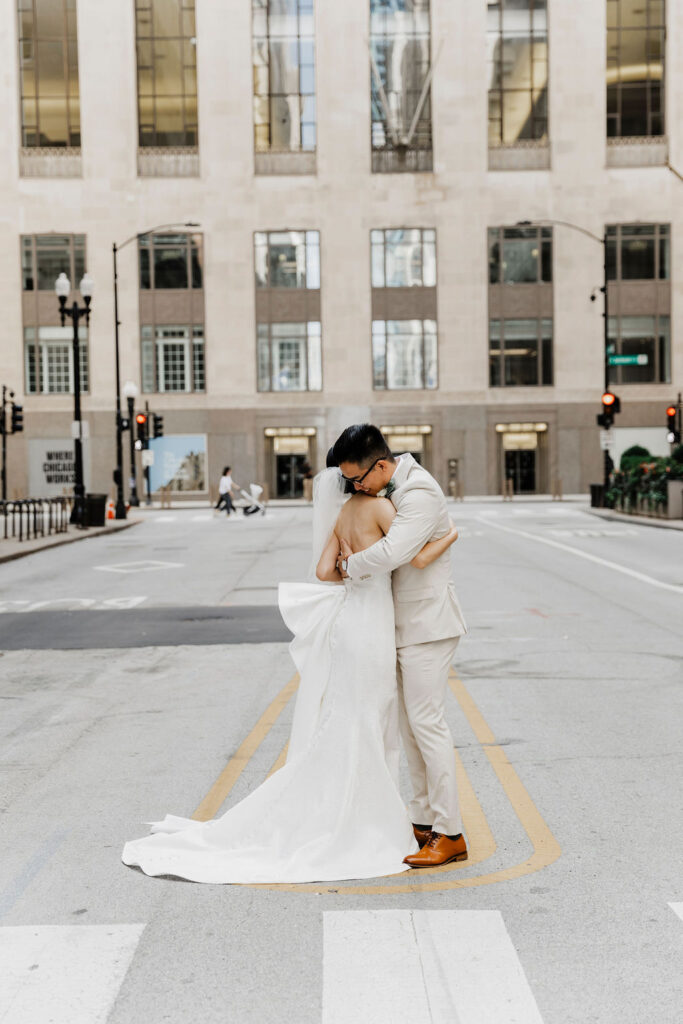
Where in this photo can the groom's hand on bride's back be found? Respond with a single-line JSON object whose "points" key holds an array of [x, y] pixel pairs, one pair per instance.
{"points": [[344, 553]]}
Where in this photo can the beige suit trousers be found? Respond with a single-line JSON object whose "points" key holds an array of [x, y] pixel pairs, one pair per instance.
{"points": [[422, 673]]}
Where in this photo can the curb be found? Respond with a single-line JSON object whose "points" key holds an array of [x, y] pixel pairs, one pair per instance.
{"points": [[618, 517], [98, 532]]}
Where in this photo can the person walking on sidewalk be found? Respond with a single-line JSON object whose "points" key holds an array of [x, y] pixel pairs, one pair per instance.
{"points": [[225, 486]]}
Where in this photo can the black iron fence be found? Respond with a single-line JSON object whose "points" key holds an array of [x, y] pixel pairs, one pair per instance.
{"points": [[27, 518]]}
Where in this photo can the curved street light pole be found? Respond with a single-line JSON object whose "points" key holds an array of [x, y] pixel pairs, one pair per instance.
{"points": [[120, 508], [607, 460]]}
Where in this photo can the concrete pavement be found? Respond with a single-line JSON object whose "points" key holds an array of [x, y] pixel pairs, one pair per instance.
{"points": [[572, 664]]}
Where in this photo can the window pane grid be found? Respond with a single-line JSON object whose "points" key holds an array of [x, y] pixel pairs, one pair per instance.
{"points": [[49, 362], [517, 43], [172, 358], [45, 257], [289, 356], [48, 65], [638, 252], [287, 259], [520, 255], [283, 59], [171, 261], [646, 340], [167, 73], [520, 352], [635, 68], [403, 258], [400, 42], [404, 355]]}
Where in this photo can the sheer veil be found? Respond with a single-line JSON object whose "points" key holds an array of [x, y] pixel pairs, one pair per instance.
{"points": [[328, 498]]}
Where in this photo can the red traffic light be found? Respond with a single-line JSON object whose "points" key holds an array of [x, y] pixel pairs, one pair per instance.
{"points": [[141, 418], [608, 399], [671, 410]]}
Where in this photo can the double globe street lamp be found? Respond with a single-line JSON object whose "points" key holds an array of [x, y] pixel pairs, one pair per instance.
{"points": [[76, 313]]}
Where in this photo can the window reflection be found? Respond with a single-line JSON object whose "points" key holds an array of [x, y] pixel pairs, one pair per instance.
{"points": [[404, 354], [287, 259], [636, 31], [517, 41], [48, 65], [167, 72], [403, 258], [283, 58], [400, 95], [520, 255], [289, 356]]}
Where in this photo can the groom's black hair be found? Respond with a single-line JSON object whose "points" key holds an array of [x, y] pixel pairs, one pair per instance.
{"points": [[362, 444]]}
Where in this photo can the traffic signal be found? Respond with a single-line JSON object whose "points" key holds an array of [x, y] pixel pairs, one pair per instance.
{"points": [[141, 420], [673, 435], [610, 407], [157, 425], [17, 418]]}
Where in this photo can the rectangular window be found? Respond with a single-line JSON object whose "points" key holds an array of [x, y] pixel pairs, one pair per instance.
{"points": [[520, 352], [638, 252], [170, 261], [636, 36], [48, 360], [520, 255], [289, 356], [283, 57], [287, 259], [517, 44], [404, 355], [401, 129], [403, 258], [48, 66], [172, 358], [45, 257], [639, 349], [167, 72]]}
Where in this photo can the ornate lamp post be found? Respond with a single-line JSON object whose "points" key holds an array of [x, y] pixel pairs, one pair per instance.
{"points": [[130, 391], [76, 312], [120, 508]]}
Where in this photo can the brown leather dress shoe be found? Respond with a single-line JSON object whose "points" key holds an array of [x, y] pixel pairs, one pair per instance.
{"points": [[421, 834], [438, 849]]}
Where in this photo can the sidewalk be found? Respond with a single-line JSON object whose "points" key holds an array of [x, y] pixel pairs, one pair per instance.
{"points": [[620, 517], [11, 549]]}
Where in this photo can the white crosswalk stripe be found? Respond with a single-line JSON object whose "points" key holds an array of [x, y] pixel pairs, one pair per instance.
{"points": [[444, 966], [69, 974], [677, 909]]}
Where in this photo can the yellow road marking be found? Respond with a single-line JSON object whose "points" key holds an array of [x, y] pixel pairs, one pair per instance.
{"points": [[238, 762], [482, 843]]}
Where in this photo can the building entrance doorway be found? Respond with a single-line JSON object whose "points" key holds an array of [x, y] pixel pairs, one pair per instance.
{"points": [[291, 454], [522, 456], [520, 467], [416, 440]]}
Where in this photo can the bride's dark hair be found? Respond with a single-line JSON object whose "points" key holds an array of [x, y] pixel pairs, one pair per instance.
{"points": [[361, 443]]}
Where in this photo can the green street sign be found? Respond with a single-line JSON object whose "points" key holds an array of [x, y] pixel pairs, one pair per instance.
{"points": [[640, 360]]}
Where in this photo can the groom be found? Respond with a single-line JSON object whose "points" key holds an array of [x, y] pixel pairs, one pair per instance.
{"points": [[429, 624]]}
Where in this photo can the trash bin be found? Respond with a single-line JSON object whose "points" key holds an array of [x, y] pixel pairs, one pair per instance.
{"points": [[597, 493], [95, 509]]}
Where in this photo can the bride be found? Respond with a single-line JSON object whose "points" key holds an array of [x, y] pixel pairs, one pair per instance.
{"points": [[333, 811]]}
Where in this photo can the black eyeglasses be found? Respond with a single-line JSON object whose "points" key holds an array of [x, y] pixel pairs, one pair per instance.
{"points": [[360, 479]]}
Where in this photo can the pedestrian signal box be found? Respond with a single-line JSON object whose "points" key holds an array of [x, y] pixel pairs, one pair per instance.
{"points": [[673, 435]]}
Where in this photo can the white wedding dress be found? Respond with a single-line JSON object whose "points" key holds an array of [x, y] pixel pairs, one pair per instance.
{"points": [[333, 811]]}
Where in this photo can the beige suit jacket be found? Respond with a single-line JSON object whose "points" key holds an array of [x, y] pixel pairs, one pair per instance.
{"points": [[425, 602]]}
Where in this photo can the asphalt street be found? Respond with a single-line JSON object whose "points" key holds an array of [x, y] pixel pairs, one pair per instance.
{"points": [[148, 673]]}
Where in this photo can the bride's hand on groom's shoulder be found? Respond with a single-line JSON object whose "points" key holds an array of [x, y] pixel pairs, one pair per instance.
{"points": [[344, 553]]}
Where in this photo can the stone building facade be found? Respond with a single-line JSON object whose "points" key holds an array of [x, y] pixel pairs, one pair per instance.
{"points": [[382, 195]]}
